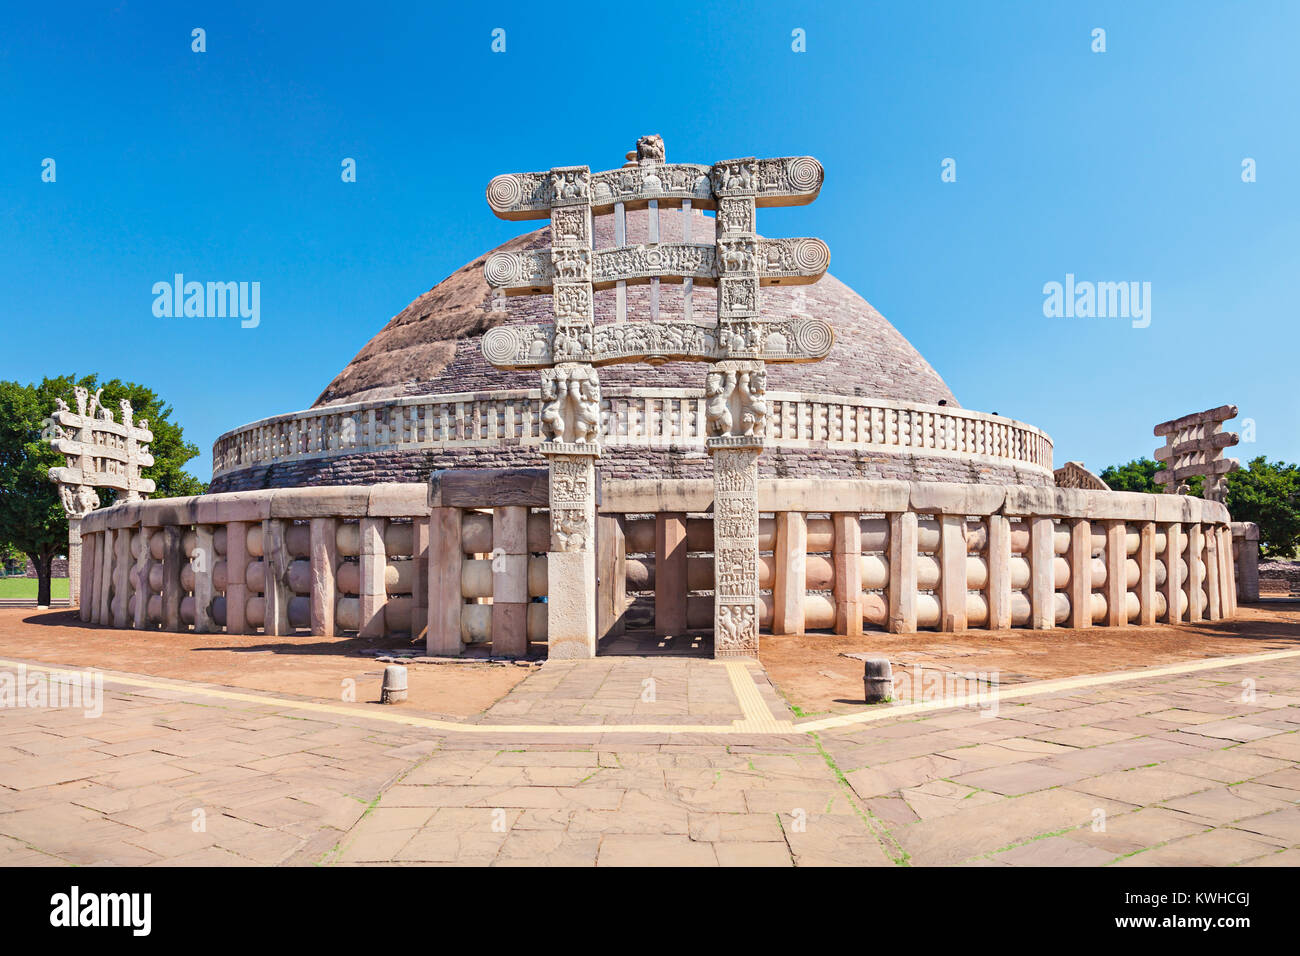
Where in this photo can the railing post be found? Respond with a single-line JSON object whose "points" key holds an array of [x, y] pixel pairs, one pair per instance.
{"points": [[510, 581], [902, 572], [104, 572], [324, 575], [1173, 576], [790, 555], [670, 574], [74, 561], [87, 593], [236, 577], [847, 561], [1213, 608], [1116, 573], [1042, 573], [952, 572], [122, 577], [275, 566], [140, 578], [446, 554], [999, 583], [374, 590], [202, 565], [173, 558], [1147, 573], [419, 577], [1228, 578], [1194, 576], [1080, 561]]}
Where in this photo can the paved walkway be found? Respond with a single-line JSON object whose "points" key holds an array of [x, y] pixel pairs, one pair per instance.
{"points": [[702, 766]]}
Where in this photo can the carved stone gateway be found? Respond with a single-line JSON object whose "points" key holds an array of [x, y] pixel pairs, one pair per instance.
{"points": [[101, 453], [737, 340], [1194, 446]]}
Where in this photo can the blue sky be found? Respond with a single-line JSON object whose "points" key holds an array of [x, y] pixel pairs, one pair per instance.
{"points": [[225, 165]]}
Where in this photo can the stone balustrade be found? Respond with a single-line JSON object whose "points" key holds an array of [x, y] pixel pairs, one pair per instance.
{"points": [[328, 559], [843, 554], [646, 417], [463, 562]]}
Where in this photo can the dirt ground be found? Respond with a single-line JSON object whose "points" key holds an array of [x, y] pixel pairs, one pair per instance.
{"points": [[810, 670], [299, 665], [816, 678]]}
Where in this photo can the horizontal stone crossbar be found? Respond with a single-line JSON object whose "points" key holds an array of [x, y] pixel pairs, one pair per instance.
{"points": [[1221, 414]]}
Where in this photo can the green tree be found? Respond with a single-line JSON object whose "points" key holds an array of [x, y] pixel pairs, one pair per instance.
{"points": [[14, 561], [1140, 475], [1268, 493], [31, 517], [1137, 475]]}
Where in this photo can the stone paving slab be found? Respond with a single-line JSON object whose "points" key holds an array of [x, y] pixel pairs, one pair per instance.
{"points": [[1171, 770]]}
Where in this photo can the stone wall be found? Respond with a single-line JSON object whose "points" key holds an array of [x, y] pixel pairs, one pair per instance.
{"points": [[384, 560], [624, 462], [644, 432], [59, 568]]}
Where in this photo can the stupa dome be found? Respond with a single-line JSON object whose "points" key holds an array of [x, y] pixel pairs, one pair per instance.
{"points": [[432, 346], [420, 396]]}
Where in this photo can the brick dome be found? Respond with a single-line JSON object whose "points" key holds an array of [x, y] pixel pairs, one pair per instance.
{"points": [[432, 346]]}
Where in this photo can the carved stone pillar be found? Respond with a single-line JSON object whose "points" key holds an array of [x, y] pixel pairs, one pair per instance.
{"points": [[735, 545], [571, 562], [736, 412]]}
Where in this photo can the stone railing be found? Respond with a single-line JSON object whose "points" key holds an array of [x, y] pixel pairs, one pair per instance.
{"points": [[328, 559], [630, 417], [841, 554], [462, 561]]}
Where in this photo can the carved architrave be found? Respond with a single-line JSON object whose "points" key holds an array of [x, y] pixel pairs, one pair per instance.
{"points": [[528, 346], [792, 261], [783, 181], [667, 260]]}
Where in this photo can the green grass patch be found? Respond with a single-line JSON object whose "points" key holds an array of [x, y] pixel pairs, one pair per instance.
{"points": [[26, 588]]}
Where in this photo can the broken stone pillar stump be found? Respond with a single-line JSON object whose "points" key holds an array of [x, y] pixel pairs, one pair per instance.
{"points": [[571, 562], [394, 689], [877, 678]]}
